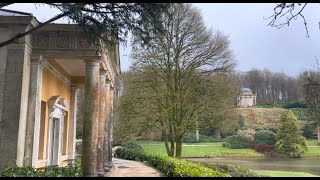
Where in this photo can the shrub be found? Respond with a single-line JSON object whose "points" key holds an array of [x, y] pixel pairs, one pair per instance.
{"points": [[301, 114], [237, 142], [249, 133], [307, 131], [263, 148], [289, 139], [132, 145], [241, 123], [294, 104], [274, 154], [172, 167], [252, 145], [41, 172], [274, 129], [224, 144], [265, 137], [233, 170]]}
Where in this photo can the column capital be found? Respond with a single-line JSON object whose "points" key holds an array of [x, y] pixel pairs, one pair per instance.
{"points": [[36, 59], [92, 61], [74, 89]]}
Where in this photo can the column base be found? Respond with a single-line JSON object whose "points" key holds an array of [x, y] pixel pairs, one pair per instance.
{"points": [[108, 167], [94, 175], [101, 173]]}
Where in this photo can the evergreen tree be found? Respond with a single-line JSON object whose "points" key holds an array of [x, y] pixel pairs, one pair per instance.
{"points": [[289, 139]]}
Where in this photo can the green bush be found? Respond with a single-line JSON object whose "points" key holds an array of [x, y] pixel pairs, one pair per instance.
{"points": [[248, 133], [294, 104], [191, 138], [289, 139], [268, 105], [41, 172], [265, 137], [301, 114], [274, 129], [233, 170], [172, 167], [132, 145], [237, 142], [307, 131]]}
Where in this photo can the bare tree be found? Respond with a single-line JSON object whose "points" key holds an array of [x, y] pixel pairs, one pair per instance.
{"points": [[176, 65]]}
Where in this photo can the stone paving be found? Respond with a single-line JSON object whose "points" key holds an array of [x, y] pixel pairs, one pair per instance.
{"points": [[126, 168]]}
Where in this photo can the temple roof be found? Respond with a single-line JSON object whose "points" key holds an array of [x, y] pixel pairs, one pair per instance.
{"points": [[246, 90]]}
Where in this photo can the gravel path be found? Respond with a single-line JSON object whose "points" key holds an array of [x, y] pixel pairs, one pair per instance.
{"points": [[126, 168]]}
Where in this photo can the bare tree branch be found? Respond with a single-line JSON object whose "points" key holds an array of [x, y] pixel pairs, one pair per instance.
{"points": [[287, 8], [5, 4], [19, 35]]}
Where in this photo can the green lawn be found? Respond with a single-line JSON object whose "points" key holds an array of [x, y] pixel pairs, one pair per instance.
{"points": [[216, 149], [285, 173], [312, 142], [313, 148], [200, 150]]}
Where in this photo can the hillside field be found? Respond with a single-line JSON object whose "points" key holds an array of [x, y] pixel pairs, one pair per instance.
{"points": [[268, 117]]}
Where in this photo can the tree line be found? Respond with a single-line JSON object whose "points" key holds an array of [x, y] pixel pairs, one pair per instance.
{"points": [[271, 87]]}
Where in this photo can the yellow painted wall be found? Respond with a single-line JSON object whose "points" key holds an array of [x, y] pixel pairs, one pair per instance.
{"points": [[52, 86]]}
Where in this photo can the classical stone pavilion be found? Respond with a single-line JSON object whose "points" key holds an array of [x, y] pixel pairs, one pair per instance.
{"points": [[40, 75], [246, 98]]}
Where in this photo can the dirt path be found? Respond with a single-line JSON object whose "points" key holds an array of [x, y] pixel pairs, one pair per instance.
{"points": [[126, 168]]}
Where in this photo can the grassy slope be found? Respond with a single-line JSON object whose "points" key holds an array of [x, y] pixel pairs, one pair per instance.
{"points": [[267, 117]]}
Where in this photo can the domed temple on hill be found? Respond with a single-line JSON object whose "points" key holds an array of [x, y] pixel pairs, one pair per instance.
{"points": [[246, 98]]}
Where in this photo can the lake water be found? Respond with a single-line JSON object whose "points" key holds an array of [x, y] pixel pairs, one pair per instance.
{"points": [[310, 165]]}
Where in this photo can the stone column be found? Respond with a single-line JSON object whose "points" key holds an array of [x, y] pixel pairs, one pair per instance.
{"points": [[90, 119], [72, 122], [33, 114], [102, 121], [110, 164], [106, 128]]}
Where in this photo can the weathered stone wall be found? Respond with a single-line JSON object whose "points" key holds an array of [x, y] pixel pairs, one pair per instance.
{"points": [[11, 91]]}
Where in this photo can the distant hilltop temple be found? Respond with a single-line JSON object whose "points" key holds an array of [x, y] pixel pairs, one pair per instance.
{"points": [[246, 98]]}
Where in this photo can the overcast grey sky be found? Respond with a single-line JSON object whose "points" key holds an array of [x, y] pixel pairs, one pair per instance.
{"points": [[254, 44]]}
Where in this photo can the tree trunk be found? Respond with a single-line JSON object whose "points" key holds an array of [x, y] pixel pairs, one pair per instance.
{"points": [[318, 132], [172, 141], [166, 143], [178, 147], [217, 133]]}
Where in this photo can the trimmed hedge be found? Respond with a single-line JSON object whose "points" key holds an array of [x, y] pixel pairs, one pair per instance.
{"points": [[172, 167], [233, 170], [41, 172]]}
